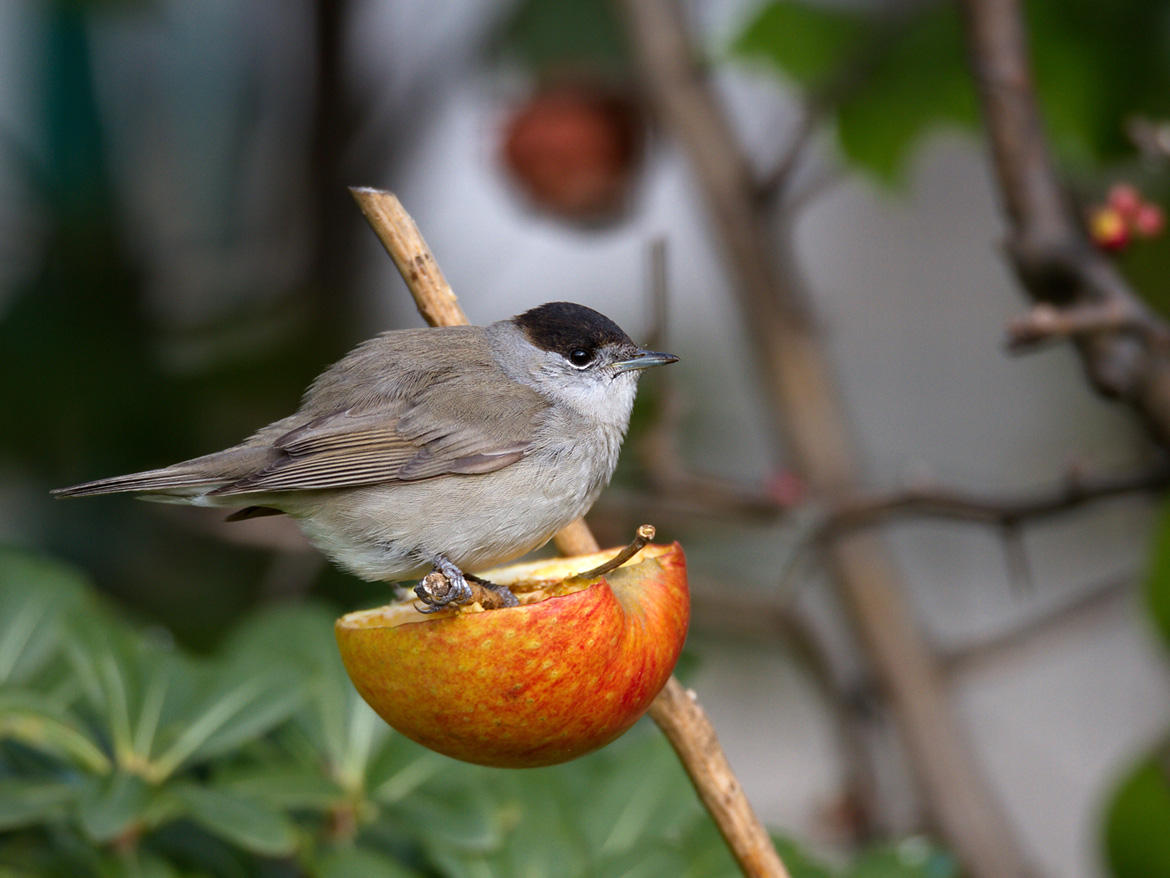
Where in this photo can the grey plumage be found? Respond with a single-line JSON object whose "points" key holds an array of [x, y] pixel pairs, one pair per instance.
{"points": [[467, 444]]}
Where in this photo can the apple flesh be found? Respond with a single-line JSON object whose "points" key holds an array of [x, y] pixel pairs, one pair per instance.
{"points": [[564, 673]]}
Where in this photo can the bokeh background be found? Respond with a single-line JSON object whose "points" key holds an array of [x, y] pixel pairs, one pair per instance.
{"points": [[179, 257]]}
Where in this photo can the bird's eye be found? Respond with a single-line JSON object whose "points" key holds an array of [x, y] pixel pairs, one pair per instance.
{"points": [[580, 357]]}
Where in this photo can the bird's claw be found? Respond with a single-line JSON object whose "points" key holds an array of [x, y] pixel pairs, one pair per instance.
{"points": [[448, 586], [444, 587]]}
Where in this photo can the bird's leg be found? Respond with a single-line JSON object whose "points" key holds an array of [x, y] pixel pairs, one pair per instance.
{"points": [[456, 593], [448, 586], [503, 591]]}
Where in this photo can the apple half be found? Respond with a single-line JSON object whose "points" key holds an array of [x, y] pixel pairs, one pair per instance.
{"points": [[562, 674]]}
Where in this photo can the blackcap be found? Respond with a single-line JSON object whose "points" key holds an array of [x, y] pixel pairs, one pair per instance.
{"points": [[454, 449]]}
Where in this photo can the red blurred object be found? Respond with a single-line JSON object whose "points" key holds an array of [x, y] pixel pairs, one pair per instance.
{"points": [[1149, 220], [786, 488], [574, 150], [1108, 228], [1125, 199]]}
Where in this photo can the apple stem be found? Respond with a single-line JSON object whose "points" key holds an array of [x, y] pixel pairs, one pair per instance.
{"points": [[642, 536], [676, 710]]}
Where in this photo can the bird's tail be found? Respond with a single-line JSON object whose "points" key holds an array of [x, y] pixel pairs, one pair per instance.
{"points": [[167, 482], [184, 482]]}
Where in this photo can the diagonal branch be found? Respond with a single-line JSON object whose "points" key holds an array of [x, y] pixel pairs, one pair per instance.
{"points": [[675, 710], [1046, 243]]}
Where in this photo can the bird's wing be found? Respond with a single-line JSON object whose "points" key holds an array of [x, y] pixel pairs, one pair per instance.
{"points": [[444, 427]]}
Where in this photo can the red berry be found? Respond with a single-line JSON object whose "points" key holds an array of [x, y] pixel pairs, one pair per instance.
{"points": [[1125, 199], [1149, 221], [1108, 228]]}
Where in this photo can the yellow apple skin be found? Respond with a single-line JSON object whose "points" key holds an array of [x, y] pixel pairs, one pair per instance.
{"points": [[532, 685]]}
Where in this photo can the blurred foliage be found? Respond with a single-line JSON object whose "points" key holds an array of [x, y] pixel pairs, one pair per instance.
{"points": [[886, 82], [565, 36], [1137, 816], [888, 77], [91, 371], [121, 755], [1137, 825]]}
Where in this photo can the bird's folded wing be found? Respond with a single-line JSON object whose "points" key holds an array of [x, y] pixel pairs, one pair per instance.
{"points": [[441, 430]]}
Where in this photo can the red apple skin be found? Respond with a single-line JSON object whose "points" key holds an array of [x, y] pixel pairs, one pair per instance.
{"points": [[532, 685]]}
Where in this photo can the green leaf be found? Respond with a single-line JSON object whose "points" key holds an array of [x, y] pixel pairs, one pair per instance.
{"points": [[35, 596], [808, 43], [135, 863], [560, 34], [27, 801], [468, 818], [1097, 64], [631, 807], [245, 822], [242, 704], [43, 724], [286, 787], [399, 767], [889, 79], [918, 82], [107, 659], [113, 806], [302, 637], [1137, 823], [356, 862]]}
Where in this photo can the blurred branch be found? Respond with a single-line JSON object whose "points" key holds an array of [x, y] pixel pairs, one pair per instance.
{"points": [[1152, 138], [744, 616], [1046, 323], [806, 406], [673, 484], [774, 185], [1065, 622], [1075, 492], [1053, 258], [675, 710]]}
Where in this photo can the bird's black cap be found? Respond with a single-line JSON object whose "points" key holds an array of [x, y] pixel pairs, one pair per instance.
{"points": [[562, 327]]}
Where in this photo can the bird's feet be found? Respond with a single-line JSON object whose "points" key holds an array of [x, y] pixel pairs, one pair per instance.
{"points": [[507, 599], [448, 586]]}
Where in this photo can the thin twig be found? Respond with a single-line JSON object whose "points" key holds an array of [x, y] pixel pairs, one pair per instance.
{"points": [[1045, 323], [677, 714], [1152, 138], [1076, 491]]}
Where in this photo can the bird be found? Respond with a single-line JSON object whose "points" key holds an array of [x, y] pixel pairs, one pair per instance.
{"points": [[450, 449]]}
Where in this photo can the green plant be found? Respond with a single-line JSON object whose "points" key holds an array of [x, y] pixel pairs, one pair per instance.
{"points": [[122, 755]]}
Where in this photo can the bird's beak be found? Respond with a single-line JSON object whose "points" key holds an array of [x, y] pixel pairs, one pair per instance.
{"points": [[644, 360]]}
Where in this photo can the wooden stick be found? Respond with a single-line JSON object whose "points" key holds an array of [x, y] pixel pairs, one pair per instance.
{"points": [[400, 236], [685, 724], [675, 709]]}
